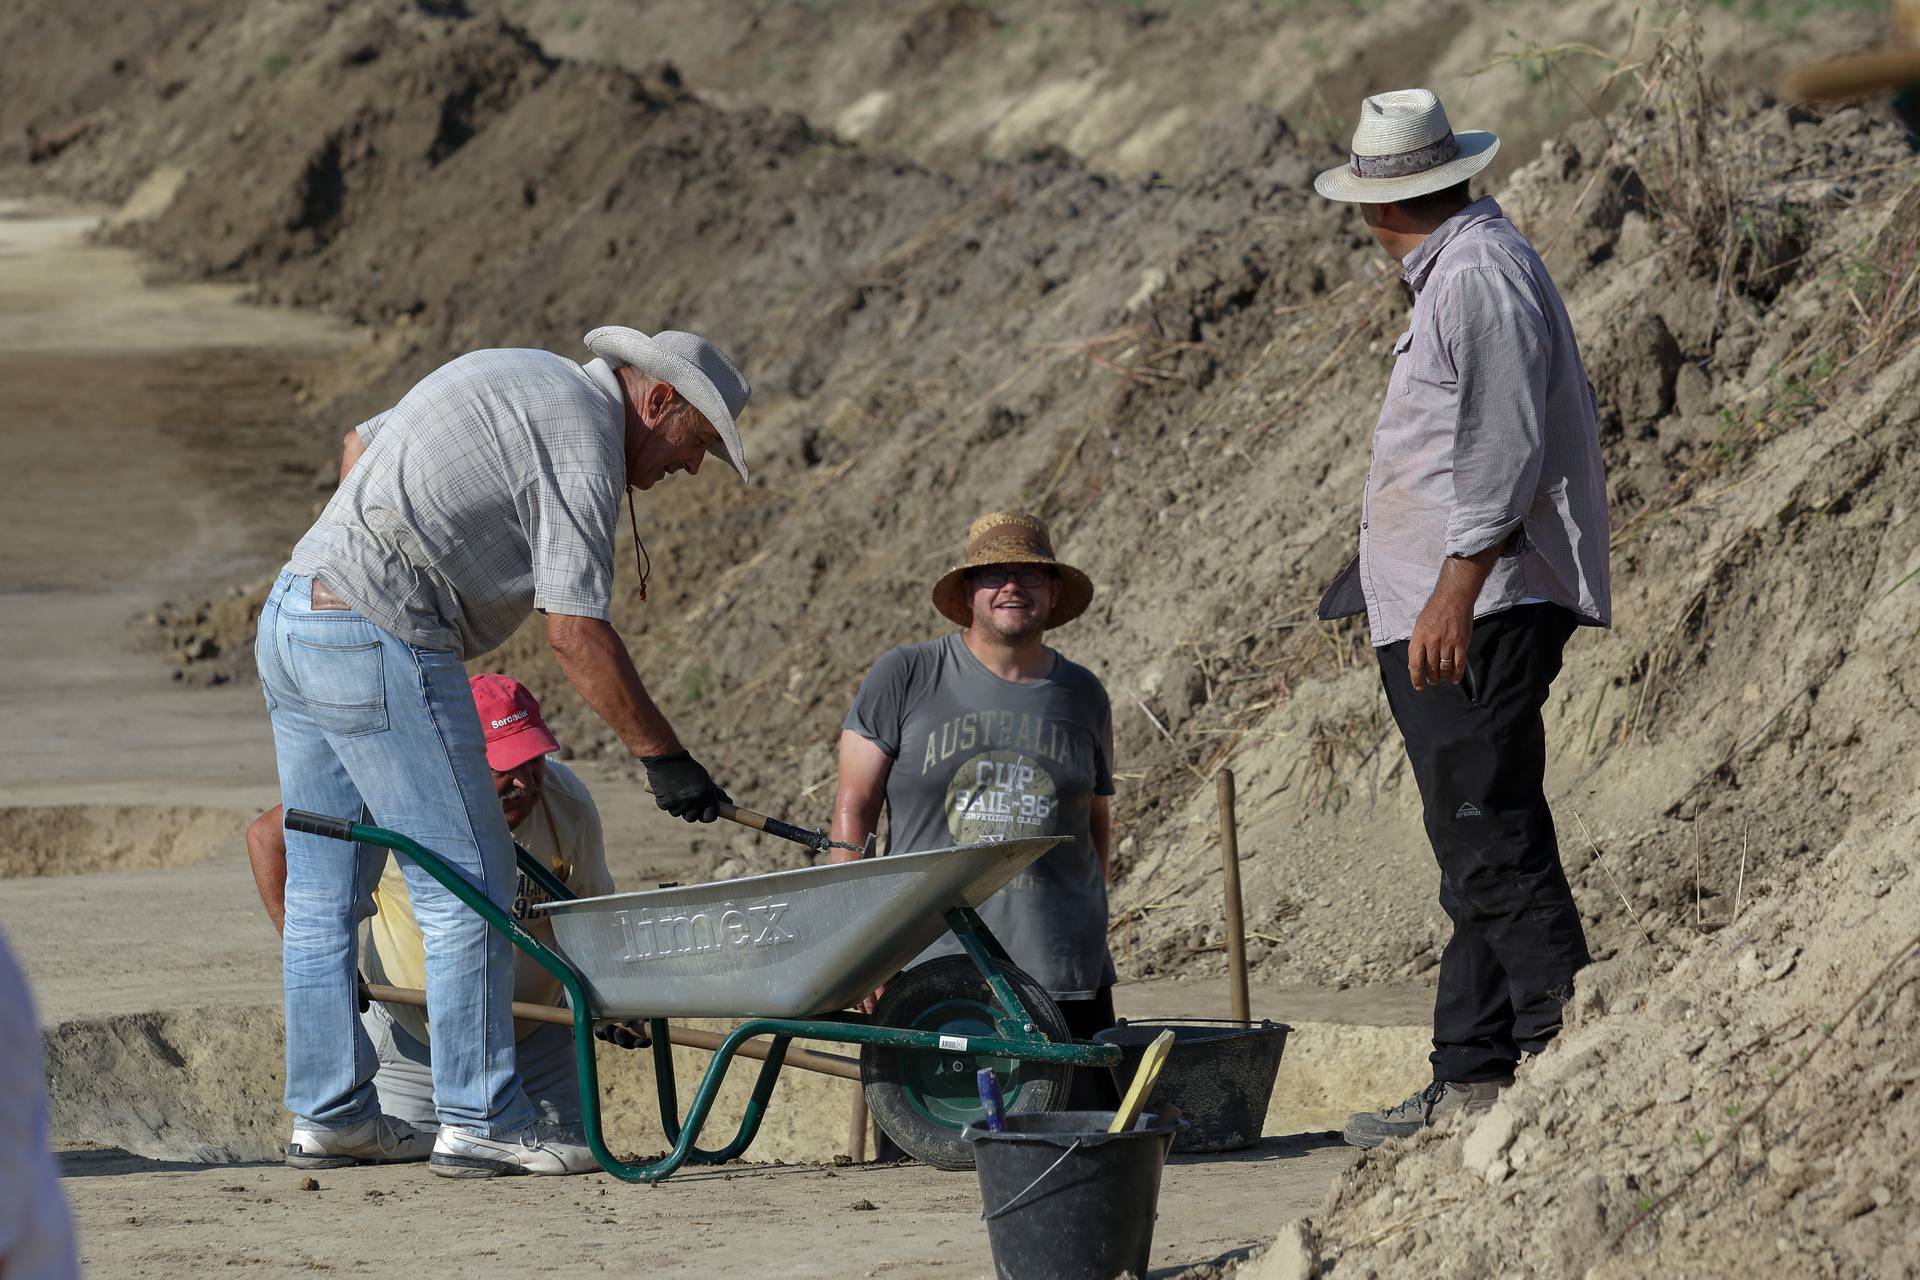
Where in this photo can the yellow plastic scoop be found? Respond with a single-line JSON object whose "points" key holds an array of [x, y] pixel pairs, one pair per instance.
{"points": [[1149, 1070]]}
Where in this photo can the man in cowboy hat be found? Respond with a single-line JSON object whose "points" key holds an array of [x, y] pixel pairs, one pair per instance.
{"points": [[1483, 544], [986, 734], [491, 490], [552, 815]]}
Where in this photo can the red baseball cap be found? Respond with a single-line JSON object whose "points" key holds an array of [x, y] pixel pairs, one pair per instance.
{"points": [[510, 718]]}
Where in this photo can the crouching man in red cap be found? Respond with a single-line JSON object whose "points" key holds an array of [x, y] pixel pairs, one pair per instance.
{"points": [[551, 815]]}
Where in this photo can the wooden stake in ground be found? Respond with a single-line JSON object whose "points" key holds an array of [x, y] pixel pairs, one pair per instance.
{"points": [[857, 1130], [1236, 929]]}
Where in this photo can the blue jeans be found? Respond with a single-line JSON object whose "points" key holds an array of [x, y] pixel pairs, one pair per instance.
{"points": [[365, 724], [405, 1078]]}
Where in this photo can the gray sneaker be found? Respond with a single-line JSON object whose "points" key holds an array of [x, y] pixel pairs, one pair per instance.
{"points": [[380, 1140], [1428, 1107], [540, 1148]]}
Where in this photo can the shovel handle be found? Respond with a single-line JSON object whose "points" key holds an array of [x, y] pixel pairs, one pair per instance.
{"points": [[815, 840]]}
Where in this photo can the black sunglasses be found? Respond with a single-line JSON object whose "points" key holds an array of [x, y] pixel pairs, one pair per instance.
{"points": [[994, 579]]}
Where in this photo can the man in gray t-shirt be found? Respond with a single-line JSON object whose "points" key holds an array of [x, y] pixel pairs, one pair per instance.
{"points": [[987, 734]]}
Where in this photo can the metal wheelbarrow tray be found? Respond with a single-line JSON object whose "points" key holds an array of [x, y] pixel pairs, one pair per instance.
{"points": [[787, 952], [785, 945]]}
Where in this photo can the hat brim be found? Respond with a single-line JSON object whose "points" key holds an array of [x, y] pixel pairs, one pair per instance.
{"points": [[618, 345], [530, 740], [1076, 591], [1854, 76], [1477, 149]]}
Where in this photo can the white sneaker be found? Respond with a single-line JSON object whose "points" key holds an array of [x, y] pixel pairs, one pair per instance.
{"points": [[381, 1140], [541, 1148]]}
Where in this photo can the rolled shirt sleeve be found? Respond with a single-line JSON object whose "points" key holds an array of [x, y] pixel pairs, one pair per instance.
{"points": [[573, 548], [880, 707], [371, 427], [1501, 346]]}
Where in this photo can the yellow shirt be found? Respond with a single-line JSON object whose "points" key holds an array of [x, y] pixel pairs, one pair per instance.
{"points": [[563, 831]]}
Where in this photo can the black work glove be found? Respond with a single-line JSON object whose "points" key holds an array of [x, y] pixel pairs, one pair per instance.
{"points": [[622, 1035], [683, 787]]}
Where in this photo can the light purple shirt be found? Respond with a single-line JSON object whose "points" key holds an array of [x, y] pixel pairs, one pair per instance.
{"points": [[1488, 434]]}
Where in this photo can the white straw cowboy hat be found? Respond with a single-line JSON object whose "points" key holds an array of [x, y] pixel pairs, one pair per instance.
{"points": [[1403, 147], [692, 366], [1012, 538]]}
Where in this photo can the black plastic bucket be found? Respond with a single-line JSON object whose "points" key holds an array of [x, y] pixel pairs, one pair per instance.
{"points": [[1220, 1076], [1063, 1199]]}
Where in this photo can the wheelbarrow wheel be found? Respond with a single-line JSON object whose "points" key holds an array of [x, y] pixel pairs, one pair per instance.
{"points": [[922, 1099]]}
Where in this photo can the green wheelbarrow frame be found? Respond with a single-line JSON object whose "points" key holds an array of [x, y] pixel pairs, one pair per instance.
{"points": [[1024, 1042]]}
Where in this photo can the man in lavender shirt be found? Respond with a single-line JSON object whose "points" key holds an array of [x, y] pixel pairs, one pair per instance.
{"points": [[1483, 545]]}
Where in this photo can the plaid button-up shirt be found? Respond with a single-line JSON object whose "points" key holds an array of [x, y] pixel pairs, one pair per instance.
{"points": [[1487, 437], [492, 489]]}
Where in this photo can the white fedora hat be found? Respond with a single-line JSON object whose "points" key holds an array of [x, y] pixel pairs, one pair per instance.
{"points": [[1403, 147], [692, 366]]}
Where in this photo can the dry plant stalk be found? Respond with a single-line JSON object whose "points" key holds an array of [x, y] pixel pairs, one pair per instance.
{"points": [[1741, 887], [1696, 870], [1604, 866]]}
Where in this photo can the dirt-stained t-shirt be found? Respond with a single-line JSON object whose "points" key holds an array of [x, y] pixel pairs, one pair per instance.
{"points": [[564, 833], [977, 758]]}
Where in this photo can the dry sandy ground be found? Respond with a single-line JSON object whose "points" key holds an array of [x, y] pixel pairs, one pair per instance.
{"points": [[109, 514], [157, 975], [147, 1219]]}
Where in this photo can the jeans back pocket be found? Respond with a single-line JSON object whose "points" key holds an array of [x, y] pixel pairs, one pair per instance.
{"points": [[343, 683]]}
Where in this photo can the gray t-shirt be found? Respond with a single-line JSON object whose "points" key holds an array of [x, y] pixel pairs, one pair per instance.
{"points": [[492, 489], [977, 758]]}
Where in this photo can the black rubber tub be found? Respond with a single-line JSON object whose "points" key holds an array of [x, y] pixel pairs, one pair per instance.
{"points": [[1220, 1075]]}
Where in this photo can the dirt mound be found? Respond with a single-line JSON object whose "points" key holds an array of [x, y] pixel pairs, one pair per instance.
{"points": [[1746, 1097], [195, 1084], [72, 840], [203, 1084], [1132, 88], [1180, 378]]}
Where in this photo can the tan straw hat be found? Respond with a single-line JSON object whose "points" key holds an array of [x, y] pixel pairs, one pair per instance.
{"points": [[1011, 537], [1403, 147], [1895, 64]]}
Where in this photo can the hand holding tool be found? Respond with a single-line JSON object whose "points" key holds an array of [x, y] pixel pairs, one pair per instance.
{"points": [[818, 841], [682, 786]]}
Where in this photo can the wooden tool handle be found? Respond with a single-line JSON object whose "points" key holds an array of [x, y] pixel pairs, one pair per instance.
{"points": [[1143, 1077], [815, 840], [826, 1064]]}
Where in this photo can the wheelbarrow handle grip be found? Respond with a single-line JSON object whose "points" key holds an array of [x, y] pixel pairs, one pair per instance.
{"points": [[319, 824]]}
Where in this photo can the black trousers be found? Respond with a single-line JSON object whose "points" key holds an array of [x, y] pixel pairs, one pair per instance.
{"points": [[1479, 754], [1092, 1088]]}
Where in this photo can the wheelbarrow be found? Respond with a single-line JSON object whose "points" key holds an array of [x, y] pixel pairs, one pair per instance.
{"points": [[786, 953]]}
